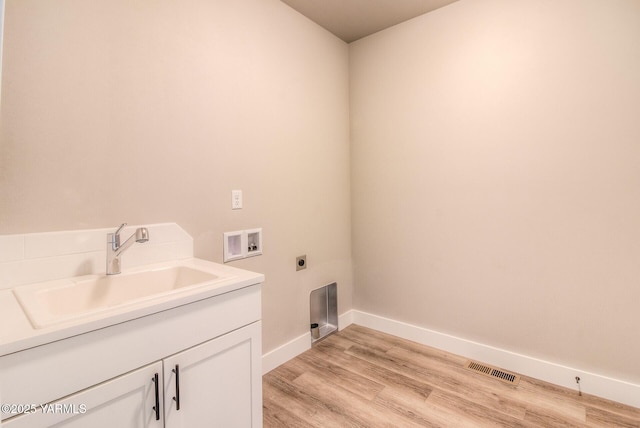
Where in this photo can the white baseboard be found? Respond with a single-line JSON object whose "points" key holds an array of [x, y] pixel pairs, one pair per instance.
{"points": [[345, 319], [591, 383], [297, 346], [284, 353]]}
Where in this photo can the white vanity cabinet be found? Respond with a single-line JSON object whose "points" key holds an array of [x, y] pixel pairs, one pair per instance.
{"points": [[126, 401], [206, 355], [217, 383]]}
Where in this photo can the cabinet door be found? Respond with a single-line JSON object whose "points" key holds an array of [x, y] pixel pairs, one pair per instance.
{"points": [[216, 384], [127, 401]]}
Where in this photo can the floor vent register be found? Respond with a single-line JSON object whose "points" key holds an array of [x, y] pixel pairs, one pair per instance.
{"points": [[496, 373]]}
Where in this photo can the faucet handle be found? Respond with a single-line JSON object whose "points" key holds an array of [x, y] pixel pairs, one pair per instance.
{"points": [[120, 228]]}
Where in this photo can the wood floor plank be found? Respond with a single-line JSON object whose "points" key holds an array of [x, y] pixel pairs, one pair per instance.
{"points": [[406, 384], [557, 402], [278, 390], [600, 418], [288, 371], [304, 404], [477, 414], [571, 395], [490, 393], [358, 338], [324, 368], [444, 379], [363, 378], [412, 409], [356, 410], [551, 420], [276, 415], [335, 341]]}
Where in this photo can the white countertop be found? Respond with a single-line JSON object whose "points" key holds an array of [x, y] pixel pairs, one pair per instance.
{"points": [[17, 333]]}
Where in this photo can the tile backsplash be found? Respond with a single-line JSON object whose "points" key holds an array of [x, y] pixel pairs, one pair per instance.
{"points": [[36, 257]]}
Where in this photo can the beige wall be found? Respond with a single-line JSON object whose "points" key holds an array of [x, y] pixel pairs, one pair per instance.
{"points": [[496, 177], [153, 111], [494, 156]]}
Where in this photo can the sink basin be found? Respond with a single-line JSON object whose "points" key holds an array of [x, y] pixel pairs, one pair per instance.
{"points": [[64, 300]]}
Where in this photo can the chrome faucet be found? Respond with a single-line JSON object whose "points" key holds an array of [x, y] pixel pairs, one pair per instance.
{"points": [[114, 249]]}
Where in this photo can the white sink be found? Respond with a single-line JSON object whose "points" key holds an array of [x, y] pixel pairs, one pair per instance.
{"points": [[54, 302]]}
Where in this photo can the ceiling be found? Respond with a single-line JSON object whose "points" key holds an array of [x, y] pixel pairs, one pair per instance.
{"points": [[351, 20]]}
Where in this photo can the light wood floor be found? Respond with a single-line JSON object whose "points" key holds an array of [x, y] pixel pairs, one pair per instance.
{"points": [[363, 378]]}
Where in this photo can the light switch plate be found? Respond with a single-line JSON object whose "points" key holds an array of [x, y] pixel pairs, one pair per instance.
{"points": [[236, 199]]}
